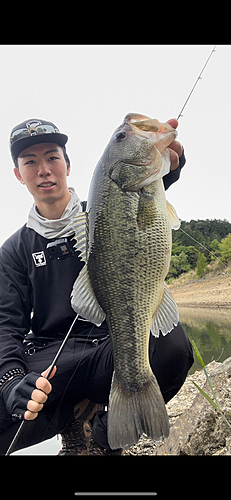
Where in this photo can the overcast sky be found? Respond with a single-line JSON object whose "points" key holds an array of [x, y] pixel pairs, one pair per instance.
{"points": [[86, 90]]}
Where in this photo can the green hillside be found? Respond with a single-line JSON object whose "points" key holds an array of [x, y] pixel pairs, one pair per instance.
{"points": [[198, 243]]}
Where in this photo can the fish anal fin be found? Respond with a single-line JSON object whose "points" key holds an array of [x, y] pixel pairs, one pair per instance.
{"points": [[166, 316]]}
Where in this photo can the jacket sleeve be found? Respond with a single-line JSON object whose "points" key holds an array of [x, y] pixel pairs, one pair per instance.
{"points": [[14, 309], [174, 175]]}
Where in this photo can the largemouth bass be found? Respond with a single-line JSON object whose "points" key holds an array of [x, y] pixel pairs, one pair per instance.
{"points": [[125, 240]]}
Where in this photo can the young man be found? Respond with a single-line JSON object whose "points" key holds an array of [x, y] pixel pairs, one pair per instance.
{"points": [[38, 266]]}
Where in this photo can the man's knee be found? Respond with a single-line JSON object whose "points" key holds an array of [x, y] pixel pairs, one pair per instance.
{"points": [[171, 357]]}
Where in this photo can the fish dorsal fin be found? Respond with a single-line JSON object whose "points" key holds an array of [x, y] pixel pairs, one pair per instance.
{"points": [[166, 316], [84, 301], [174, 219], [80, 226]]}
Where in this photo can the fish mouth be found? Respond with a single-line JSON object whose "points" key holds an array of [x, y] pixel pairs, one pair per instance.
{"points": [[160, 134], [151, 159]]}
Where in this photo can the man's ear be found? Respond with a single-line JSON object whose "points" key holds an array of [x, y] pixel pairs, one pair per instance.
{"points": [[68, 170], [18, 175]]}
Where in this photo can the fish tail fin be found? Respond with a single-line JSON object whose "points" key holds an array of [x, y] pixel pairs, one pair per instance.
{"points": [[132, 413]]}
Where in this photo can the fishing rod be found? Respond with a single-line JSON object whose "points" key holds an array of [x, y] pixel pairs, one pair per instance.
{"points": [[22, 425], [197, 80], [180, 114]]}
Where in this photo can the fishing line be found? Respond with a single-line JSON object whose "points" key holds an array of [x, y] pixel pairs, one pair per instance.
{"points": [[195, 240], [222, 350], [197, 80], [60, 350], [68, 383], [198, 242]]}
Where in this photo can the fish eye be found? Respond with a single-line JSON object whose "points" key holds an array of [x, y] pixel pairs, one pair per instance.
{"points": [[120, 135]]}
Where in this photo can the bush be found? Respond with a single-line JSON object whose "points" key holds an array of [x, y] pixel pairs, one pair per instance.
{"points": [[201, 264], [225, 249], [179, 264]]}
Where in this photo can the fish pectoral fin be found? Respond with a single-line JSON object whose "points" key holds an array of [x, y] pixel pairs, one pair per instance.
{"points": [[174, 219], [84, 301], [167, 315], [80, 225]]}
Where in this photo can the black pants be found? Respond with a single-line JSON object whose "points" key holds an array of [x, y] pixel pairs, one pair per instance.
{"points": [[85, 371]]}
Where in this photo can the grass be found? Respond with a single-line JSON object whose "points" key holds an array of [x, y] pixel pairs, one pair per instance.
{"points": [[215, 403]]}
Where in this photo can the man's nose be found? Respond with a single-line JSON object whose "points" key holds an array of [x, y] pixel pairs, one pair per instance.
{"points": [[44, 169]]}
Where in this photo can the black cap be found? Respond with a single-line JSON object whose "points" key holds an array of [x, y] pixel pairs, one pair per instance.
{"points": [[32, 132]]}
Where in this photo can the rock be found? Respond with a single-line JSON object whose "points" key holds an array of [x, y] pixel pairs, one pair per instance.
{"points": [[196, 428], [200, 429]]}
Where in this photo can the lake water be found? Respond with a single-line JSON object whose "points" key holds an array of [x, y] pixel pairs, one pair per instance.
{"points": [[211, 331], [209, 328]]}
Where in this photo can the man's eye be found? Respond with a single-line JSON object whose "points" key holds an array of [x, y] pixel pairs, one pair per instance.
{"points": [[30, 162], [53, 158]]}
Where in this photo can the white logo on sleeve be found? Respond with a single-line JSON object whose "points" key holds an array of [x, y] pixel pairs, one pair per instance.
{"points": [[39, 258]]}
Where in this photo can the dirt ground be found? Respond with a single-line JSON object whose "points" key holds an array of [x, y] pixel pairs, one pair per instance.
{"points": [[207, 292]]}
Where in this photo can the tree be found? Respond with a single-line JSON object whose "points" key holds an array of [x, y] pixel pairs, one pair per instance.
{"points": [[201, 264], [215, 245], [178, 265], [192, 256], [208, 237], [225, 249]]}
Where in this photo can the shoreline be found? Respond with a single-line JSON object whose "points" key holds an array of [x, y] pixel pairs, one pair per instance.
{"points": [[213, 292], [204, 305]]}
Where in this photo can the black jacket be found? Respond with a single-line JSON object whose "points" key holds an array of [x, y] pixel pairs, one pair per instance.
{"points": [[35, 292]]}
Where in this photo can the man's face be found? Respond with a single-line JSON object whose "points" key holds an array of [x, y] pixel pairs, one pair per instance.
{"points": [[44, 170]]}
